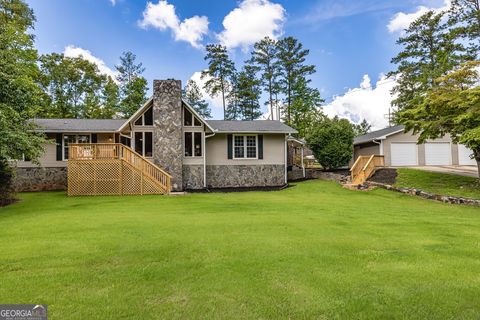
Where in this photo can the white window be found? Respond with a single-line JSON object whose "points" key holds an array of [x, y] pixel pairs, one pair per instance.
{"points": [[73, 138], [189, 120], [144, 143], [146, 119], [245, 146], [193, 144]]}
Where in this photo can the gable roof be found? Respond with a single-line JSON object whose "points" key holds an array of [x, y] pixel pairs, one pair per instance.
{"points": [[147, 105], [78, 125], [378, 135], [255, 126]]}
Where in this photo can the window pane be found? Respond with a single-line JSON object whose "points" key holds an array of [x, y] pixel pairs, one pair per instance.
{"points": [[148, 117], [198, 144], [238, 141], [187, 118], [196, 122], [251, 146], [138, 122], [239, 152], [148, 144], [125, 141], [83, 139], [67, 139], [139, 142], [188, 144]]}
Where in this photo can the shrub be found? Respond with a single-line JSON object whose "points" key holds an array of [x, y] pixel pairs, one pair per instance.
{"points": [[331, 141]]}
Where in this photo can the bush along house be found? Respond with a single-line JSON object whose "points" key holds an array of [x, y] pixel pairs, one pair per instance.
{"points": [[165, 146]]}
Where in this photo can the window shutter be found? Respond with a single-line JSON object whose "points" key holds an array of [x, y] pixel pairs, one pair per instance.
{"points": [[230, 146], [58, 140], [94, 138], [260, 146]]}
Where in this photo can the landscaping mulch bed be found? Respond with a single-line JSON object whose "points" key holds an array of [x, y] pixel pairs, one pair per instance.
{"points": [[385, 176]]}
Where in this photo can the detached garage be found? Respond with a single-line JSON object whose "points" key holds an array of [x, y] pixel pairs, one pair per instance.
{"points": [[464, 156], [401, 149], [438, 154], [403, 154]]}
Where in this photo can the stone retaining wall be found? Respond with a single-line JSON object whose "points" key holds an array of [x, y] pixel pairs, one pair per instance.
{"points": [[226, 176], [40, 179], [426, 195]]}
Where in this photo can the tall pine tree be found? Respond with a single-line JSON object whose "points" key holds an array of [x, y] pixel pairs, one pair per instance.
{"points": [[133, 87], [265, 57], [291, 59], [249, 91], [194, 97], [464, 19], [220, 69], [428, 52]]}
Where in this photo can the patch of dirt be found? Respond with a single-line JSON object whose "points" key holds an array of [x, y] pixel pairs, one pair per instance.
{"points": [[6, 202], [386, 176]]}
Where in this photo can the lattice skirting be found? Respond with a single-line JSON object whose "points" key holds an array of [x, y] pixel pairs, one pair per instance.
{"points": [[108, 177]]}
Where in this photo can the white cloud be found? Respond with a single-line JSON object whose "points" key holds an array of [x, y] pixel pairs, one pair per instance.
{"points": [[251, 21], [162, 16], [364, 102], [215, 103], [113, 2], [73, 51], [401, 20]]}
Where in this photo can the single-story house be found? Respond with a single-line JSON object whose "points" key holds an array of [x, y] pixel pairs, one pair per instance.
{"points": [[166, 131], [400, 148]]}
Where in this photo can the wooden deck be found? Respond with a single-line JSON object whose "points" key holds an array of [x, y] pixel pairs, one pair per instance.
{"points": [[113, 169]]}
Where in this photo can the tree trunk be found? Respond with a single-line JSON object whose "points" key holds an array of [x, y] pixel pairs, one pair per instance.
{"points": [[223, 99], [271, 101], [476, 155]]}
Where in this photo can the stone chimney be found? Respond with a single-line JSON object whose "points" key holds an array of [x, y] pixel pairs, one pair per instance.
{"points": [[167, 135]]}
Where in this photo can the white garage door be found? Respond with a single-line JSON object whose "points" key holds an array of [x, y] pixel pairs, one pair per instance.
{"points": [[438, 154], [404, 154], [464, 156]]}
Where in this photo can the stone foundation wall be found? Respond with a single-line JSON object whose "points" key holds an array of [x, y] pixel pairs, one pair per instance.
{"points": [[296, 174], [40, 179], [225, 176], [192, 177]]}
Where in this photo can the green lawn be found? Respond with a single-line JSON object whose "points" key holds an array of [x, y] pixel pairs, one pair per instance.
{"points": [[314, 251], [439, 183]]}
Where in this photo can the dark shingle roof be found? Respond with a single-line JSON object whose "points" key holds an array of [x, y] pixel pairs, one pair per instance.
{"points": [[78, 125], [377, 134], [256, 126]]}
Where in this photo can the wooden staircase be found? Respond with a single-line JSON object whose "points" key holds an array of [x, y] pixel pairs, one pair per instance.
{"points": [[364, 167], [113, 169]]}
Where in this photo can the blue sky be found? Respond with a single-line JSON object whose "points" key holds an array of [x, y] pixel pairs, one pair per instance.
{"points": [[347, 39]]}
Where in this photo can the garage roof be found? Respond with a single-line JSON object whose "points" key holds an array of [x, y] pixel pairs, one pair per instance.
{"points": [[378, 135]]}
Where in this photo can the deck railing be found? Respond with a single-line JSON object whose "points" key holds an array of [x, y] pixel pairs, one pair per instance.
{"points": [[307, 163], [105, 151], [364, 167]]}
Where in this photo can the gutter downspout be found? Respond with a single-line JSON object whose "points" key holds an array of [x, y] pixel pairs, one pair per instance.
{"points": [[303, 166], [380, 145], [286, 157], [205, 158]]}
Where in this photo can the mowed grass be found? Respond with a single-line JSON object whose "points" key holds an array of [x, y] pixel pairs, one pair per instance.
{"points": [[314, 251], [439, 183]]}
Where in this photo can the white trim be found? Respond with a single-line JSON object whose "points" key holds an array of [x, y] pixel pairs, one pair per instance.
{"points": [[193, 144], [205, 137], [245, 146], [198, 116], [135, 115], [286, 159]]}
